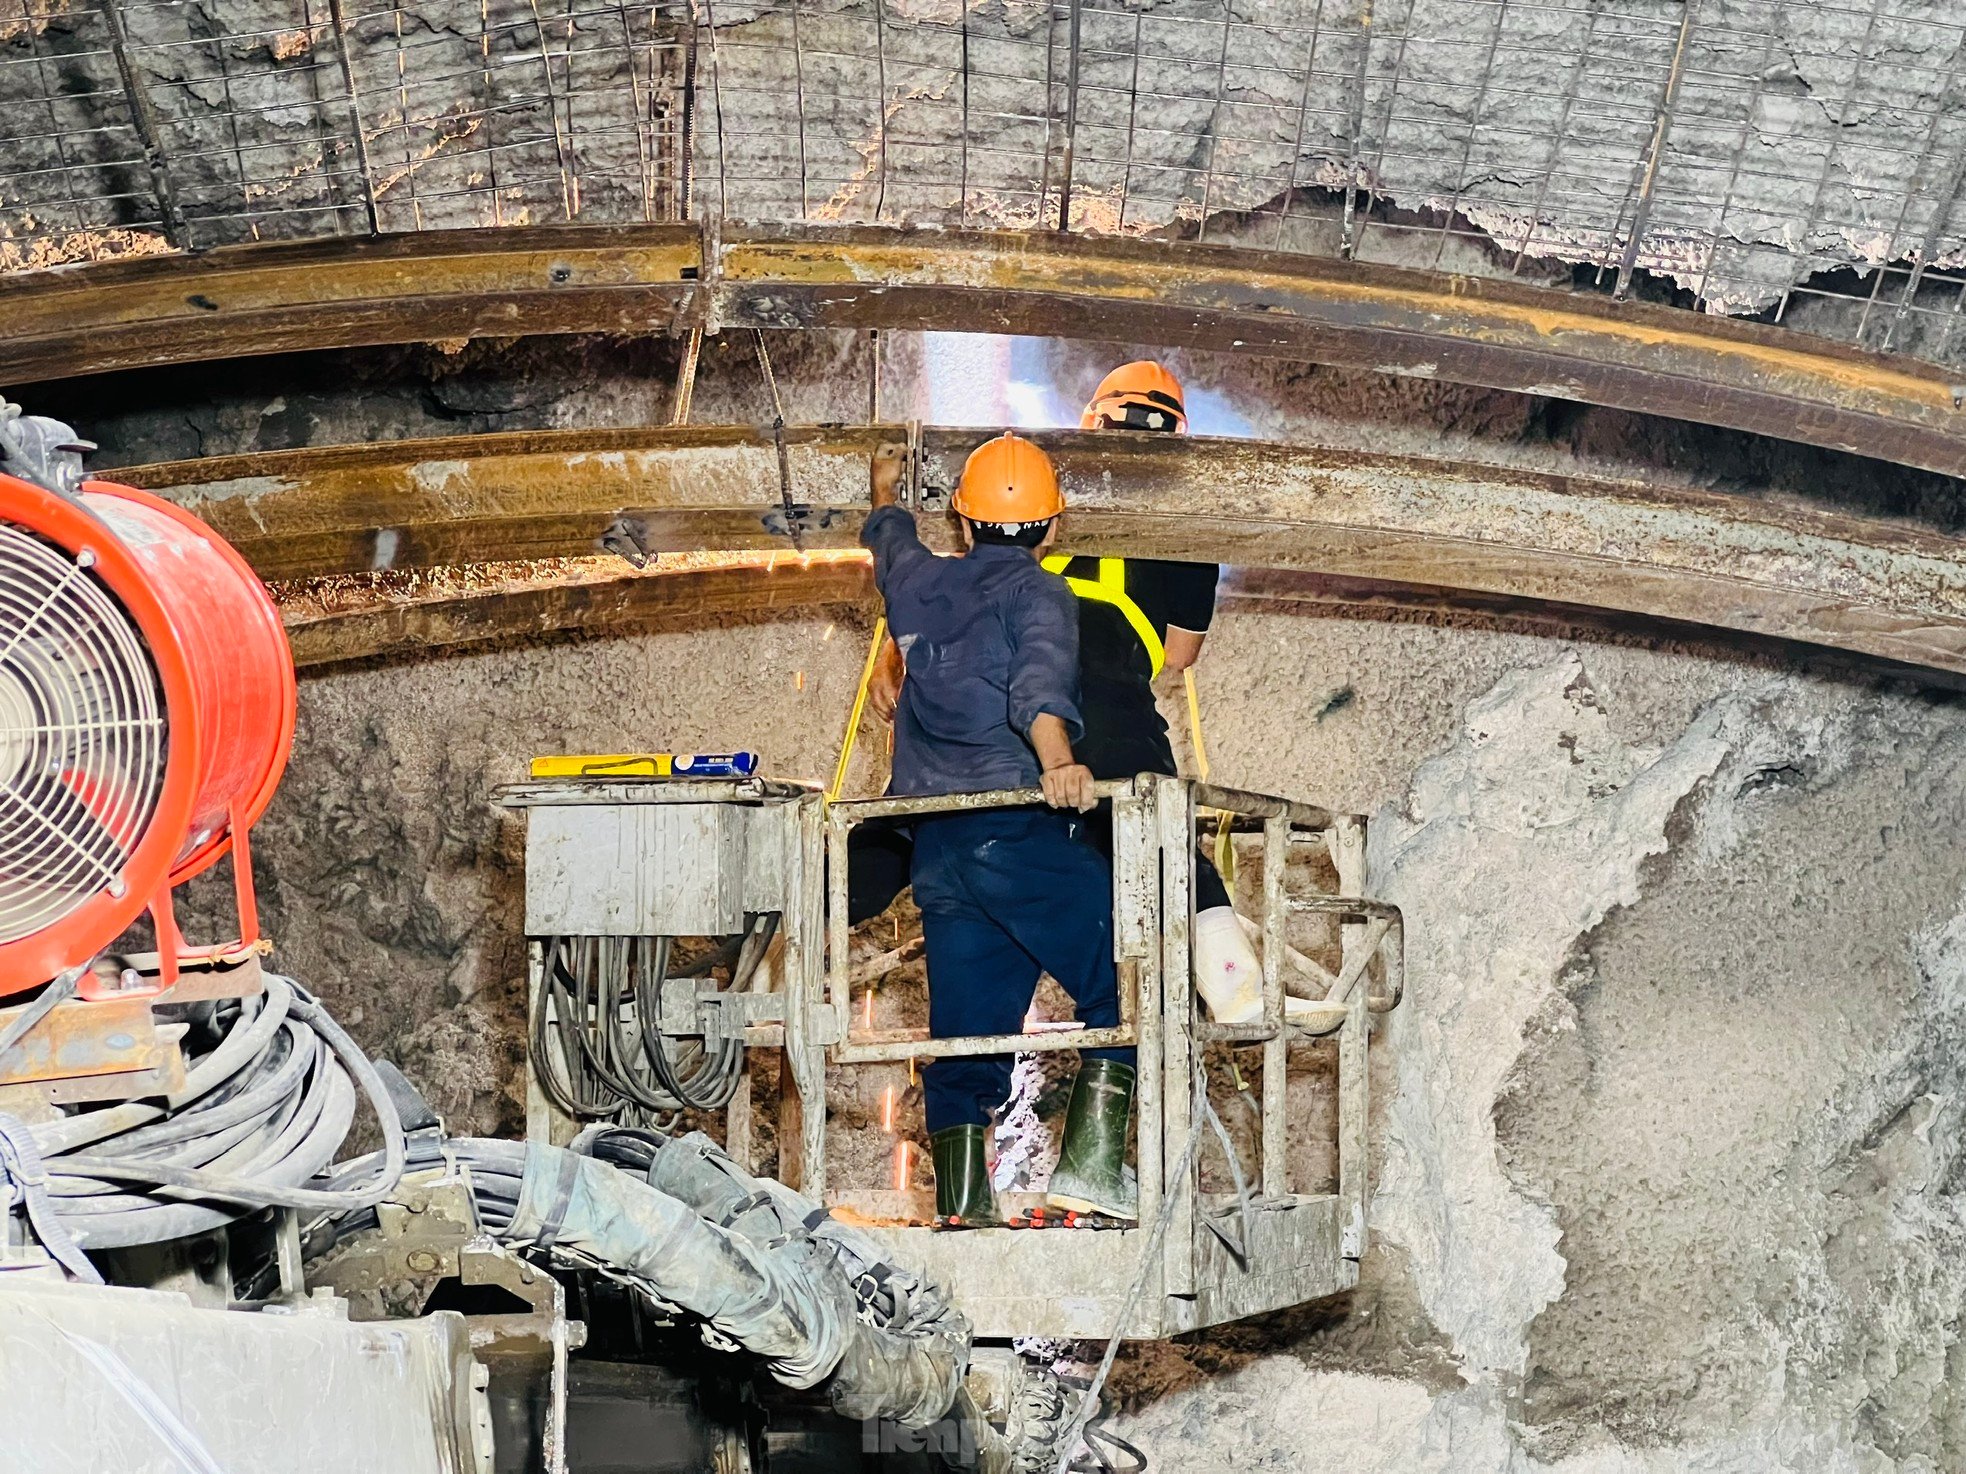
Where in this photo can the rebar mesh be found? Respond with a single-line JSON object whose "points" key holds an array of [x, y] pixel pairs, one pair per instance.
{"points": [[1797, 161]]}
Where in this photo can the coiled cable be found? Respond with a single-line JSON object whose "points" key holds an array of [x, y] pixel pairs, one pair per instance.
{"points": [[270, 1094], [598, 1049]]}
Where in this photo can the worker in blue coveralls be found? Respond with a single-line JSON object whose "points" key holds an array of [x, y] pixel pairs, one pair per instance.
{"points": [[990, 641]]}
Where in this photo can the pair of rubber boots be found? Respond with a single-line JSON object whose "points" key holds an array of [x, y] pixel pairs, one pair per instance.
{"points": [[1091, 1176]]}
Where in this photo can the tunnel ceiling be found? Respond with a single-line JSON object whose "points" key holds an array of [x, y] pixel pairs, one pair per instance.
{"points": [[1449, 188], [1798, 162]]}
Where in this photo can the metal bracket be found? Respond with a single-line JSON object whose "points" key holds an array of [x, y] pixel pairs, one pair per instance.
{"points": [[912, 467], [693, 1006], [921, 496], [1351, 1238], [84, 1051], [429, 1232], [798, 519], [42, 451], [625, 537]]}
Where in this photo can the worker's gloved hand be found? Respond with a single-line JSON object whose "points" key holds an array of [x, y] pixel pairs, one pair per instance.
{"points": [[884, 473], [1068, 786]]}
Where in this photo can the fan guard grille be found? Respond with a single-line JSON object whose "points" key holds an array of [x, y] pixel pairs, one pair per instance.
{"points": [[82, 735]]}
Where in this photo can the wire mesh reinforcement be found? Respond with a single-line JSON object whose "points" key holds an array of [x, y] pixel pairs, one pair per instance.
{"points": [[1798, 162]]}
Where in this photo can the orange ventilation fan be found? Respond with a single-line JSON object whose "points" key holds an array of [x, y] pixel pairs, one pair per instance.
{"points": [[146, 715]]}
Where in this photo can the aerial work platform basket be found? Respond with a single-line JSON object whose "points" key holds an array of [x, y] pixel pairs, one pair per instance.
{"points": [[626, 860]]}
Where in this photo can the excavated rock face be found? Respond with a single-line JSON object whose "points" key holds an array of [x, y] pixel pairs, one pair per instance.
{"points": [[1733, 149], [1668, 1157], [1664, 1134]]}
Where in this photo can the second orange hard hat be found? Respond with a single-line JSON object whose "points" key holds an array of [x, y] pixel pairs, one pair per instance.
{"points": [[1141, 395], [1008, 480]]}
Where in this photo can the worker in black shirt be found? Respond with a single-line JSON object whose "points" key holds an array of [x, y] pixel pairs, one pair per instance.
{"points": [[1137, 618]]}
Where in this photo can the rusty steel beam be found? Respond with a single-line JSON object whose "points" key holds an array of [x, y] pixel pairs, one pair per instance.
{"points": [[296, 296], [531, 494], [1496, 334], [629, 599], [1727, 563], [244, 300]]}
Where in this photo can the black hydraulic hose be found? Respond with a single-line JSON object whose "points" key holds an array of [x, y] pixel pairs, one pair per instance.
{"points": [[714, 1081], [594, 1062], [570, 1091]]}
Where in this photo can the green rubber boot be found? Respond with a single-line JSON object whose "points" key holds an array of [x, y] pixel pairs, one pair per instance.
{"points": [[963, 1195], [1092, 1175]]}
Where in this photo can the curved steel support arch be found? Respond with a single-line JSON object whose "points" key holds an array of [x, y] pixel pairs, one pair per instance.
{"points": [[1754, 568], [244, 300]]}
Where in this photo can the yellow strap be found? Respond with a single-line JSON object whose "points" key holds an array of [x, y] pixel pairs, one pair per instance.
{"points": [[1194, 723], [1225, 850], [1110, 588], [859, 707]]}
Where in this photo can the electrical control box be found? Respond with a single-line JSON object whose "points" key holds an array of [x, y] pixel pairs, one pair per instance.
{"points": [[635, 869]]}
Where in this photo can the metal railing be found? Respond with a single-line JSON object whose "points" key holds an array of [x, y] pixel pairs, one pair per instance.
{"points": [[891, 1046], [1154, 847], [1800, 165]]}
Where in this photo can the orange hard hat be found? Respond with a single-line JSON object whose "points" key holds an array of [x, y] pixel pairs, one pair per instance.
{"points": [[1008, 480], [1137, 396]]}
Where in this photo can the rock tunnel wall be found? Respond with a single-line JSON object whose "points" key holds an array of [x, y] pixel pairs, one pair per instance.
{"points": [[1665, 1134], [1734, 149]]}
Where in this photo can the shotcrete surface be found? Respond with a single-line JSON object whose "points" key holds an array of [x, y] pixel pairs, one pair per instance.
{"points": [[1664, 1135]]}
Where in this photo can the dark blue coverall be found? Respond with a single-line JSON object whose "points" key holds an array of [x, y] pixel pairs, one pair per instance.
{"points": [[991, 643]]}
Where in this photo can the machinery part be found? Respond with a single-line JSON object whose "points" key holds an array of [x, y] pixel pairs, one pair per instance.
{"points": [[423, 1251], [1092, 1176], [1008, 482], [146, 713], [781, 1304], [105, 1378], [1141, 395], [964, 1197], [760, 1266], [41, 451], [653, 1420], [598, 1044], [268, 1099]]}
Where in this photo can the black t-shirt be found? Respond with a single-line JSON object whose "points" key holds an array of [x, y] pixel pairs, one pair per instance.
{"points": [[1124, 732]]}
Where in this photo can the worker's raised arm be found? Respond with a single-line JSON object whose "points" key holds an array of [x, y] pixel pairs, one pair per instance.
{"points": [[884, 474], [889, 533]]}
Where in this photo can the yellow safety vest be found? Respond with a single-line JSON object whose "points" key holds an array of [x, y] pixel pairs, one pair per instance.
{"points": [[1110, 588]]}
